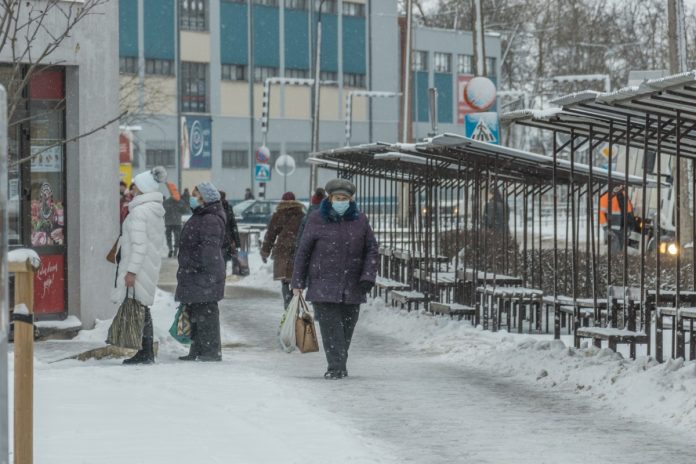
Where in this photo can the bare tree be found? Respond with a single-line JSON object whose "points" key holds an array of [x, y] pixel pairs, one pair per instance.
{"points": [[30, 34]]}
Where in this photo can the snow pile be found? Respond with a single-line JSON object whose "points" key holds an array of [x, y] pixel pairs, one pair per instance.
{"points": [[661, 393], [23, 255], [70, 322]]}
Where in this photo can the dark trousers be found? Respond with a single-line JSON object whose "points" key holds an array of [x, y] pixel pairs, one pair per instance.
{"points": [[205, 329], [337, 323], [148, 333], [176, 232], [287, 292]]}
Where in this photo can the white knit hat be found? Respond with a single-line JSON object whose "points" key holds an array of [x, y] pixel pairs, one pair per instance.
{"points": [[148, 181]]}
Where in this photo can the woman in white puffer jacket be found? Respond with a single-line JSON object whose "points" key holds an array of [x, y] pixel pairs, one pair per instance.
{"points": [[141, 246]]}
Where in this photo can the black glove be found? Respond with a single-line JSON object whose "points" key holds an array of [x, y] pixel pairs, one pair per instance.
{"points": [[365, 286]]}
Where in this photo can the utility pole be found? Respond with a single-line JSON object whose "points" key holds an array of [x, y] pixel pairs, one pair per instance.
{"points": [[407, 74], [250, 79], [179, 83], [479, 43], [4, 310], [677, 64], [315, 116]]}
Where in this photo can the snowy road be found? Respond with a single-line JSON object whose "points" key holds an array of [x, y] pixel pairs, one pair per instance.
{"points": [[427, 410]]}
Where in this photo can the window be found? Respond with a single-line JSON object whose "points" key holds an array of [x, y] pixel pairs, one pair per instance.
{"points": [[353, 9], [159, 67], [354, 80], [296, 73], [300, 158], [128, 65], [234, 72], [266, 2], [193, 15], [262, 73], [466, 64], [443, 62], [194, 87], [328, 76], [491, 66], [160, 157], [420, 60], [235, 159], [330, 6], [296, 4]]}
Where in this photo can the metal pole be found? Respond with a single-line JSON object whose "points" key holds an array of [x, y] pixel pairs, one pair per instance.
{"points": [[250, 78], [432, 107], [479, 40], [407, 73], [177, 66], [315, 117], [4, 310]]}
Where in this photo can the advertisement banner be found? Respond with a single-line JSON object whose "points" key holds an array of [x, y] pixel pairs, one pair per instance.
{"points": [[49, 285], [125, 145], [126, 172], [483, 127], [196, 142]]}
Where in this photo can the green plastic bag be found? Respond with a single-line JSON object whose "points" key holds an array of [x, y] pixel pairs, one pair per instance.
{"points": [[181, 327]]}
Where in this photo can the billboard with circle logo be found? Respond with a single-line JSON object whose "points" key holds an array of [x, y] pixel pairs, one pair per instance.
{"points": [[196, 143]]}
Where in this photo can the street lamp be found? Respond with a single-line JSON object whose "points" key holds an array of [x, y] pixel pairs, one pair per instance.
{"points": [[315, 117]]}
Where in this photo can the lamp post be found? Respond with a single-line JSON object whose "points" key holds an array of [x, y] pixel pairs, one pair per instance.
{"points": [[4, 323], [315, 117]]}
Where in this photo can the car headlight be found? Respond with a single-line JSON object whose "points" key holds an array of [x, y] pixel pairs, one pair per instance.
{"points": [[669, 248]]}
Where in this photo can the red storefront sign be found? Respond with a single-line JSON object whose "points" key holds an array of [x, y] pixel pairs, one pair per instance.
{"points": [[463, 107], [124, 148], [49, 285], [47, 85]]}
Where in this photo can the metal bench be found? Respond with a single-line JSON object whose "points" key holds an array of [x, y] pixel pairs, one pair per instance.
{"points": [[612, 336], [407, 298], [386, 285], [452, 310], [509, 299]]}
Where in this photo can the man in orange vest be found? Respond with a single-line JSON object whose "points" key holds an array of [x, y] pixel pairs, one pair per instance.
{"points": [[619, 203]]}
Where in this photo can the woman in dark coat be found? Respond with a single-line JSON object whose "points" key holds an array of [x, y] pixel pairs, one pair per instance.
{"points": [[337, 262], [281, 239], [232, 240], [201, 274]]}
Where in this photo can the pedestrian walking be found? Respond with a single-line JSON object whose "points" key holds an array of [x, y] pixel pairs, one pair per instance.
{"points": [[141, 246], [232, 240], [201, 275], [173, 210], [337, 263], [495, 213], [124, 199], [620, 206], [281, 241], [248, 195], [314, 202]]}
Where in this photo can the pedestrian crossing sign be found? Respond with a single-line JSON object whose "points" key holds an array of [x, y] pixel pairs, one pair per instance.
{"points": [[263, 173]]}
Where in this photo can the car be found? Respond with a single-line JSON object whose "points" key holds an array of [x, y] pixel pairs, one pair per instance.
{"points": [[255, 211]]}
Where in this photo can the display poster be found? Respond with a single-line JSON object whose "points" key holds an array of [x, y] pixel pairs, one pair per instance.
{"points": [[47, 218], [49, 285], [196, 143]]}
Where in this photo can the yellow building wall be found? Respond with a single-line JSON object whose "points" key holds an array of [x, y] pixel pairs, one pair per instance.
{"points": [[160, 95], [235, 99], [128, 92], [195, 46], [360, 107], [192, 177]]}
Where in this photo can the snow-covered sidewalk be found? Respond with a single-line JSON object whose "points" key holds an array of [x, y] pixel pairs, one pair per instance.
{"points": [[421, 389]]}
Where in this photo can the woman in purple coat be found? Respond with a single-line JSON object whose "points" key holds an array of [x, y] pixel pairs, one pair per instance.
{"points": [[337, 262]]}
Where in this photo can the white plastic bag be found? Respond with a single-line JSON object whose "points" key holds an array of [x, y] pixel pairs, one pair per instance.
{"points": [[286, 333]]}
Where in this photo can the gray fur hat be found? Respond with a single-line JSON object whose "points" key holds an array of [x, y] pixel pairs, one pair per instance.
{"points": [[208, 191], [337, 186]]}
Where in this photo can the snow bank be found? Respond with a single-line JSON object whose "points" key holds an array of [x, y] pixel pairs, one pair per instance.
{"points": [[70, 322], [660, 393]]}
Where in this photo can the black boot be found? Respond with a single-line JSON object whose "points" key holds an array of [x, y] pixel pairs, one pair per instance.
{"points": [[146, 355], [192, 355]]}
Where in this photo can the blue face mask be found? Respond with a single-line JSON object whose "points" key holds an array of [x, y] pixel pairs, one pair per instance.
{"points": [[193, 202], [340, 207]]}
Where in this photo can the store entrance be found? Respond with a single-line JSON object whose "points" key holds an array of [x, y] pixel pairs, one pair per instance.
{"points": [[37, 213]]}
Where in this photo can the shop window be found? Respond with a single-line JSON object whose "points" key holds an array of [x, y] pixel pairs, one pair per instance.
{"points": [[353, 9], [420, 60], [465, 64], [442, 62], [193, 15], [261, 73], [159, 67], [296, 73], [194, 87], [128, 65], [160, 157], [266, 2], [233, 72], [354, 80], [235, 159], [296, 4]]}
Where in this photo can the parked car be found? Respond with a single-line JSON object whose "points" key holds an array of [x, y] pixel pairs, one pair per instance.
{"points": [[255, 211]]}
